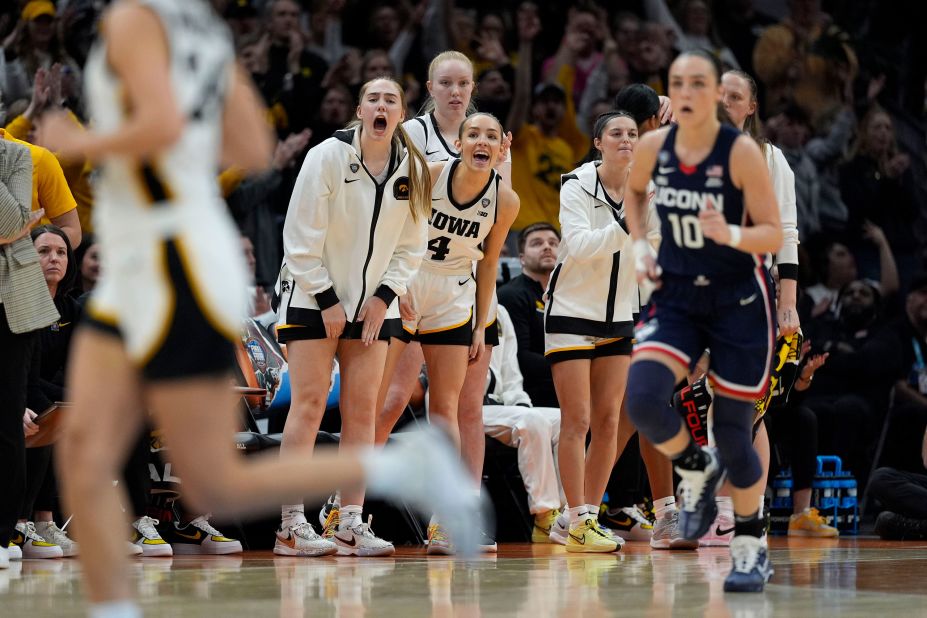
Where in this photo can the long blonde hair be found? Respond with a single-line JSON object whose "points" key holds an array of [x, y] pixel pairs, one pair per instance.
{"points": [[419, 174], [752, 125], [429, 105]]}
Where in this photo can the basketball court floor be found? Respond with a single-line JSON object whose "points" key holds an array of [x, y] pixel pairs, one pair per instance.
{"points": [[864, 577]]}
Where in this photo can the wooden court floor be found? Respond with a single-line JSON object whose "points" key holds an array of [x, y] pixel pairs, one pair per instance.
{"points": [[864, 577]]}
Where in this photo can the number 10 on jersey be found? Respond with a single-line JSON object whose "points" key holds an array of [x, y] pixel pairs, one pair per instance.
{"points": [[687, 231]]}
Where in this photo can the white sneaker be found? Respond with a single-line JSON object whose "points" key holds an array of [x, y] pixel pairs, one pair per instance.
{"points": [[302, 540], [4, 558], [198, 537], [14, 551], [50, 531], [359, 540], [32, 544], [722, 529], [133, 550], [560, 530], [145, 535], [425, 471], [666, 533]]}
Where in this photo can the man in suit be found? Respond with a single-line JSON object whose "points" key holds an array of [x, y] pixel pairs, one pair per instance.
{"points": [[27, 307]]}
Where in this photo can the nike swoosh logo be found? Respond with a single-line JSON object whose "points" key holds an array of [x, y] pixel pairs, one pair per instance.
{"points": [[597, 206], [464, 282], [581, 540], [428, 154], [192, 537], [350, 543], [60, 324], [746, 301], [666, 170], [289, 541], [347, 182], [435, 199], [721, 532]]}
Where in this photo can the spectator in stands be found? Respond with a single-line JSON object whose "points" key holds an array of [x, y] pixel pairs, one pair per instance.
{"points": [[627, 33], [34, 44], [650, 63], [334, 113], [395, 33], [243, 20], [510, 417], [547, 144], [837, 269], [523, 298], [27, 308], [904, 495], [857, 355], [790, 131], [605, 81], [694, 29], [877, 186], [739, 25], [50, 190], [578, 49], [494, 91], [87, 257]]}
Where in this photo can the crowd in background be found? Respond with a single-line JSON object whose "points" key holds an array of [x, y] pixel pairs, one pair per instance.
{"points": [[841, 90]]}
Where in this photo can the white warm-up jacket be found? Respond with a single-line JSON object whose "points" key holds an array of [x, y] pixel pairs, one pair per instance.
{"points": [[783, 182], [346, 237], [593, 289]]}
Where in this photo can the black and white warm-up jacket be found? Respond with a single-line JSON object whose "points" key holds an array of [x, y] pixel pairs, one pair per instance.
{"points": [[346, 237], [593, 289]]}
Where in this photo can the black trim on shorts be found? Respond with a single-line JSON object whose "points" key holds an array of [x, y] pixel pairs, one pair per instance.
{"points": [[88, 319], [462, 335], [306, 324], [589, 328], [492, 333], [623, 347]]}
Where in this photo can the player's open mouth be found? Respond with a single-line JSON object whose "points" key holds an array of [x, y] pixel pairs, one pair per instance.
{"points": [[481, 156], [685, 109], [379, 123]]}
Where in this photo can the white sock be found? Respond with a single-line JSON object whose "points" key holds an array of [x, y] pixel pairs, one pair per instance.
{"points": [[662, 505], [592, 509], [292, 515], [577, 514], [349, 516], [762, 505], [115, 609]]}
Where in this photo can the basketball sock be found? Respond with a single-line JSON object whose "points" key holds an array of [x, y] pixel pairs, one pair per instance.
{"points": [[692, 458], [593, 510], [751, 525], [349, 516], [577, 514], [662, 505], [292, 515]]}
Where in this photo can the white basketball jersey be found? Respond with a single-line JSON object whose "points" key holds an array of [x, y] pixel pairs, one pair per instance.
{"points": [[456, 231], [425, 134], [176, 188]]}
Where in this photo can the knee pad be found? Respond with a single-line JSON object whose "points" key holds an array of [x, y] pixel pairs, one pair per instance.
{"points": [[650, 387], [732, 428]]}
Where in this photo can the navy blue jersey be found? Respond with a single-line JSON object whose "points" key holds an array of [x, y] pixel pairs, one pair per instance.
{"points": [[681, 192]]}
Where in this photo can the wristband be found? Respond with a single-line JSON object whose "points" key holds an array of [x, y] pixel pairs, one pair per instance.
{"points": [[736, 236], [641, 249]]}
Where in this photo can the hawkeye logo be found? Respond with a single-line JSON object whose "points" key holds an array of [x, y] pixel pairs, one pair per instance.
{"points": [[401, 188], [685, 199]]}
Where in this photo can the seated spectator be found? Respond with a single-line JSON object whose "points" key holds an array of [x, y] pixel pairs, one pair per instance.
{"points": [[857, 348], [904, 496], [335, 112], [510, 417], [837, 268], [87, 257], [523, 298], [790, 131], [877, 186]]}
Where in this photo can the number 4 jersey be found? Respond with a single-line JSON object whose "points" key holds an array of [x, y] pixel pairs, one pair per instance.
{"points": [[456, 230], [681, 193]]}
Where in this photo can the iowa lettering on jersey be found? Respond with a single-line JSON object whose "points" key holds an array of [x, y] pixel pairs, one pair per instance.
{"points": [[684, 199], [454, 225]]}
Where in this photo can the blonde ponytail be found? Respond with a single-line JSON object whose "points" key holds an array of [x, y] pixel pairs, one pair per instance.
{"points": [[419, 176]]}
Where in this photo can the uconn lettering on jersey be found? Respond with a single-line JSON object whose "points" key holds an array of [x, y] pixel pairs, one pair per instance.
{"points": [[686, 199], [454, 225]]}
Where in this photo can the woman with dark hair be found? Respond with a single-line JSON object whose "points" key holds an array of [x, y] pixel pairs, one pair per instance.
{"points": [[87, 261]]}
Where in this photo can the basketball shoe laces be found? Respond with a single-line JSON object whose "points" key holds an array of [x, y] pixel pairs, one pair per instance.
{"points": [[146, 526], [744, 556], [202, 522]]}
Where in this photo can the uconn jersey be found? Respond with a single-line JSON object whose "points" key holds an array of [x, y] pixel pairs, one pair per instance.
{"points": [[681, 193], [183, 176], [456, 230], [426, 135]]}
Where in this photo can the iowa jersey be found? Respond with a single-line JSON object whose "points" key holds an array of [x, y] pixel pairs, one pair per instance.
{"points": [[182, 176], [456, 230], [426, 135], [681, 193]]}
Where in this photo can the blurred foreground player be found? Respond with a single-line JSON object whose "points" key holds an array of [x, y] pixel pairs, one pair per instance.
{"points": [[166, 102]]}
